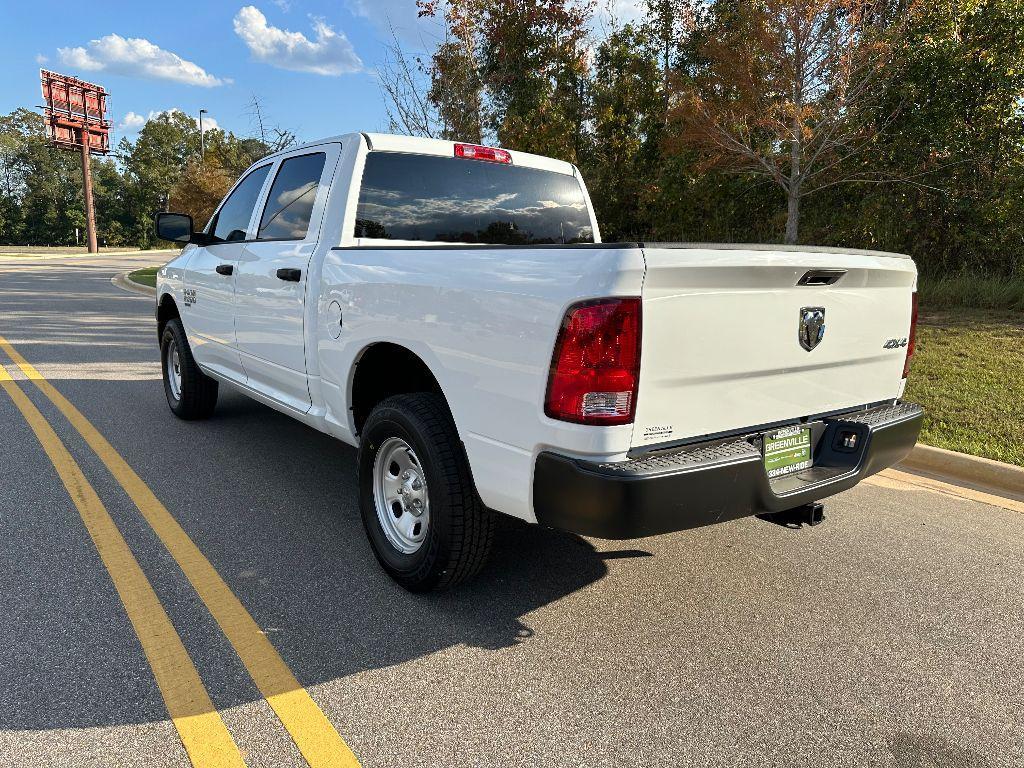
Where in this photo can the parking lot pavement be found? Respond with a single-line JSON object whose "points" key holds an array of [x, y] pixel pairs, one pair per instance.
{"points": [[889, 636]]}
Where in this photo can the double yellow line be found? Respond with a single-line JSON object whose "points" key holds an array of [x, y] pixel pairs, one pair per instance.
{"points": [[202, 731]]}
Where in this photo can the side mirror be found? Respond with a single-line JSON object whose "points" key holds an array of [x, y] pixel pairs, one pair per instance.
{"points": [[177, 227]]}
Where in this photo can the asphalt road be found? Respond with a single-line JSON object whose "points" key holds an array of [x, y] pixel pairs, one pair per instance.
{"points": [[889, 636]]}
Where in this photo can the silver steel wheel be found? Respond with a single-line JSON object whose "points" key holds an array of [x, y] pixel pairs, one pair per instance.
{"points": [[400, 495], [173, 369]]}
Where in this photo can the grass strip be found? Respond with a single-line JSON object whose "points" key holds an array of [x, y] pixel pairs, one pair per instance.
{"points": [[145, 276], [967, 374]]}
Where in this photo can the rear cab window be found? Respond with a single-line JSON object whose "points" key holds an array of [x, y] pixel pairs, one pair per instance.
{"points": [[289, 206], [437, 199]]}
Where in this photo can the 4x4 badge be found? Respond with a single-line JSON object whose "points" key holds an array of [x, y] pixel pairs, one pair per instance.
{"points": [[812, 327]]}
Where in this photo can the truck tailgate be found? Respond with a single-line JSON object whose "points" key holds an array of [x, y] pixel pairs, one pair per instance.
{"points": [[722, 352]]}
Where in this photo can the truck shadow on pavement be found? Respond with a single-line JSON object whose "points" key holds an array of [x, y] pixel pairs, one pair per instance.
{"points": [[273, 506]]}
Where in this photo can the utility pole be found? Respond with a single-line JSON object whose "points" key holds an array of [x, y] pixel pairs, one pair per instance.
{"points": [[202, 137], [90, 214]]}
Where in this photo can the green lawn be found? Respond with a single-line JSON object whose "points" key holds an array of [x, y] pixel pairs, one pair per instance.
{"points": [[968, 373], [145, 276]]}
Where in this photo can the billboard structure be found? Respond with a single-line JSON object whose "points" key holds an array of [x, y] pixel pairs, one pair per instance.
{"points": [[76, 119]]}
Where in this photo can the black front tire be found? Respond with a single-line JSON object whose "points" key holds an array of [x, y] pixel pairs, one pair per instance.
{"points": [[193, 394], [460, 530]]}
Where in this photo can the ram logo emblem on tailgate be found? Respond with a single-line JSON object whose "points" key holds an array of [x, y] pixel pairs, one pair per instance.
{"points": [[812, 327]]}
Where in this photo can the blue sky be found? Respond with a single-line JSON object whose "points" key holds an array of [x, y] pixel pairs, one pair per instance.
{"points": [[311, 63]]}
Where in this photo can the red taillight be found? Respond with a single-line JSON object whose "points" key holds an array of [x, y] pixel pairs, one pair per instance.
{"points": [[913, 334], [476, 152], [596, 366]]}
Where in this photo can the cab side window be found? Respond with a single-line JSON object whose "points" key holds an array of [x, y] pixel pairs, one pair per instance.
{"points": [[290, 202], [232, 220]]}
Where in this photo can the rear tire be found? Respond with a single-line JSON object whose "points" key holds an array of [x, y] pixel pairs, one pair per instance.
{"points": [[191, 394], [426, 524]]}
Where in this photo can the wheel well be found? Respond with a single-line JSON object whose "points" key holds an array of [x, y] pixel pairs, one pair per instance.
{"points": [[384, 370], [167, 310]]}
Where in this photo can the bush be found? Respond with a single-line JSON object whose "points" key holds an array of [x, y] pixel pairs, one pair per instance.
{"points": [[971, 290]]}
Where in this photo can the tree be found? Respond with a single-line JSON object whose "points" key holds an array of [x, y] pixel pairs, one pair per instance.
{"points": [[163, 168], [456, 79], [668, 27], [153, 165], [199, 190], [536, 71], [686, 125], [204, 182], [961, 134], [113, 219], [515, 71], [623, 163], [41, 185], [786, 89]]}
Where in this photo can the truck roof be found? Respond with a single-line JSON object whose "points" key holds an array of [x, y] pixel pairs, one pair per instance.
{"points": [[387, 142]]}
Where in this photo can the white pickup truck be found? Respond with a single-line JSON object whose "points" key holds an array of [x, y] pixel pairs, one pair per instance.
{"points": [[451, 310]]}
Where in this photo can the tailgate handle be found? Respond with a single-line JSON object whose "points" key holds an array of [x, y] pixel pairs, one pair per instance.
{"points": [[821, 276]]}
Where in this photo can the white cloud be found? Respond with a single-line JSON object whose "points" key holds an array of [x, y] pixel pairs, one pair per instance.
{"points": [[133, 121], [394, 11], [284, 5], [625, 11], [209, 124], [136, 57], [402, 17], [41, 59], [330, 54]]}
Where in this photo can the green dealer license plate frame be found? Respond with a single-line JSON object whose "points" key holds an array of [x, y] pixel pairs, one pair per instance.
{"points": [[787, 451]]}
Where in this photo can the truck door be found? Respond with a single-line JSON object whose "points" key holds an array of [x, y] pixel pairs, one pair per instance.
{"points": [[210, 277], [271, 284]]}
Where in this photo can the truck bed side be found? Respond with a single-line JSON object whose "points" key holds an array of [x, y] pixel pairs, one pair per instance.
{"points": [[484, 321]]}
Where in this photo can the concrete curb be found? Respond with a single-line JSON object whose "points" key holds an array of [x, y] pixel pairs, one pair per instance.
{"points": [[121, 281], [15, 257], [973, 470]]}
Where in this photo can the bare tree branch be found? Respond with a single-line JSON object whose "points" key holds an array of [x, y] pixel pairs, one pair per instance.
{"points": [[406, 87]]}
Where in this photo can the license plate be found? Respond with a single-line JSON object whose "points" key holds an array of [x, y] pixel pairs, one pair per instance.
{"points": [[786, 451]]}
